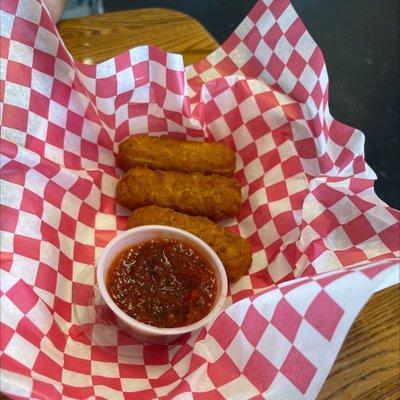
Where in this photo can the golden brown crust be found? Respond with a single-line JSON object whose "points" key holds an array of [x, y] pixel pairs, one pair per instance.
{"points": [[234, 251], [214, 196], [167, 154]]}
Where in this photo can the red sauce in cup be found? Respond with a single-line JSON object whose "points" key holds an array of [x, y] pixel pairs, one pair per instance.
{"points": [[163, 283]]}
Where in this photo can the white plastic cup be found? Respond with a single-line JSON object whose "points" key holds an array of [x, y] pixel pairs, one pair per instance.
{"points": [[134, 236]]}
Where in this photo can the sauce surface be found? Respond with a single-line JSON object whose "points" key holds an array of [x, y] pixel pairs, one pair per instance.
{"points": [[163, 283]]}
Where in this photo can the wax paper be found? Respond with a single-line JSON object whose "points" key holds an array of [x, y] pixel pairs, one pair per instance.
{"points": [[322, 240]]}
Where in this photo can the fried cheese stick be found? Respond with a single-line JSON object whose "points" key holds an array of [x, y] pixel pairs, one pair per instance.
{"points": [[213, 196], [234, 251], [167, 154]]}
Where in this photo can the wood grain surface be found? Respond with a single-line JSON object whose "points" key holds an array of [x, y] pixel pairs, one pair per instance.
{"points": [[367, 367], [97, 38]]}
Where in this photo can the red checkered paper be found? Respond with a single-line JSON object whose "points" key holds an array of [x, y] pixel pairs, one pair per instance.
{"points": [[322, 240]]}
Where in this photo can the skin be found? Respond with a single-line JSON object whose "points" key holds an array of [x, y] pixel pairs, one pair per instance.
{"points": [[56, 8]]}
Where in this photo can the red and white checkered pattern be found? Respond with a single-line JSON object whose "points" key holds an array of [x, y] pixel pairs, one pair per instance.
{"points": [[309, 207]]}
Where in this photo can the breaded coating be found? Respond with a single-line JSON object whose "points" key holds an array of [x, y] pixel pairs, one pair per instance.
{"points": [[213, 196], [167, 154], [234, 251]]}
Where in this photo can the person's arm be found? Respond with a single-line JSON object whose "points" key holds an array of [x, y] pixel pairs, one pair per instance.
{"points": [[56, 8]]}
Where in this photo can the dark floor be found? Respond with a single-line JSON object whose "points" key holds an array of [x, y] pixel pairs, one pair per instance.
{"points": [[360, 41]]}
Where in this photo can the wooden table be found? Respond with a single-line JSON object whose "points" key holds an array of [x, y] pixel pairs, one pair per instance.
{"points": [[367, 367], [100, 37]]}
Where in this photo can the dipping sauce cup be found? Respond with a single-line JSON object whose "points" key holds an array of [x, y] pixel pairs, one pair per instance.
{"points": [[141, 331]]}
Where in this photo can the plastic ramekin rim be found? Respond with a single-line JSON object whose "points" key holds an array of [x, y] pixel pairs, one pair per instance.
{"points": [[191, 239]]}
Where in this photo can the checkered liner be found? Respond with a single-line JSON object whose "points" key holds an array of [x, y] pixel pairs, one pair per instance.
{"points": [[309, 208]]}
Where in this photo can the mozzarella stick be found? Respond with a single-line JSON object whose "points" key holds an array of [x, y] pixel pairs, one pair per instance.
{"points": [[233, 250], [167, 154], [213, 196]]}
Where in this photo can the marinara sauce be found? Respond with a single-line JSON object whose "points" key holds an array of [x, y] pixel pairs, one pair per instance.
{"points": [[163, 283]]}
